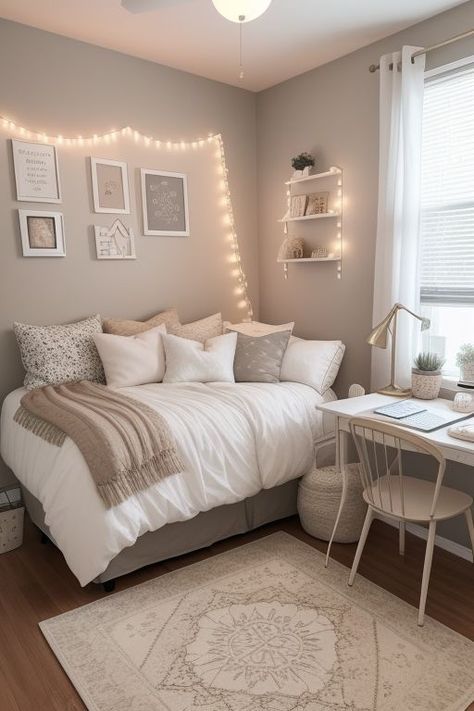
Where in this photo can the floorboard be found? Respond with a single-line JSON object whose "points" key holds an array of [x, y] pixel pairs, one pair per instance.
{"points": [[35, 584]]}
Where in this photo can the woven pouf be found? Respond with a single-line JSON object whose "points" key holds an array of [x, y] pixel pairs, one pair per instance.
{"points": [[319, 495]]}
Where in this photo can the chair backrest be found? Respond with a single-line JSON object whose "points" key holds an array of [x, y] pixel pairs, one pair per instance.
{"points": [[380, 446]]}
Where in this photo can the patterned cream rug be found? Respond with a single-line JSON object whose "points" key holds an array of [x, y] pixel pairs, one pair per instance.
{"points": [[264, 627]]}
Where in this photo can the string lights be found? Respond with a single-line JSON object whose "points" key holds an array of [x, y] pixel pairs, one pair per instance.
{"points": [[236, 272]]}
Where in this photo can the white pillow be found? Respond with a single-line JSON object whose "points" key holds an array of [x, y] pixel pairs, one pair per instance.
{"points": [[193, 362], [256, 328], [313, 363], [132, 360]]}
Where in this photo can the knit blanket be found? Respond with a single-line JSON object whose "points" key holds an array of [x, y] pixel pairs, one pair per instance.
{"points": [[127, 446]]}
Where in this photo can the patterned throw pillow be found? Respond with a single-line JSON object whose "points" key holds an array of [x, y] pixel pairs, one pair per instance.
{"points": [[201, 331], [258, 358], [123, 327], [60, 354]]}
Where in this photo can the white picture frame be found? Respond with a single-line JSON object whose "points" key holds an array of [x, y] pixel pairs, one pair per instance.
{"points": [[42, 233], [110, 189], [36, 172], [115, 242], [165, 203]]}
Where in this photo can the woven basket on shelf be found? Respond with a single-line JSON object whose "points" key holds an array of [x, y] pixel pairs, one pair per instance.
{"points": [[319, 494]]}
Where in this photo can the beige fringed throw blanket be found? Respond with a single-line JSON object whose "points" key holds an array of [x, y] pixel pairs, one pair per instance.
{"points": [[127, 445]]}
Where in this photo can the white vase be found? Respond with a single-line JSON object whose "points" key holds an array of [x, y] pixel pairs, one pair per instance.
{"points": [[426, 384], [307, 171], [467, 372]]}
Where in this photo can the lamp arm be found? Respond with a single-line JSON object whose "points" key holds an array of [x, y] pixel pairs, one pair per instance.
{"points": [[405, 308]]}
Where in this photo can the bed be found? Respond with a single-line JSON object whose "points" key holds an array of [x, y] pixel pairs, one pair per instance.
{"points": [[244, 446]]}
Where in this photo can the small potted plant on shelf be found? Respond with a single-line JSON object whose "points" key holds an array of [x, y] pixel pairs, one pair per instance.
{"points": [[302, 165], [465, 362], [426, 376]]}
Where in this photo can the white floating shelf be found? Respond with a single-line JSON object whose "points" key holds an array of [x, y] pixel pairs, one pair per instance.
{"points": [[320, 216], [309, 259], [316, 176]]}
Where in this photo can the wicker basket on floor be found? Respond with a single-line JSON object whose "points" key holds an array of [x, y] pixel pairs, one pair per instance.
{"points": [[11, 529], [319, 494]]}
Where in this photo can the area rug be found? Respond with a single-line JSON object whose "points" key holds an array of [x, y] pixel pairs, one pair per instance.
{"points": [[264, 627]]}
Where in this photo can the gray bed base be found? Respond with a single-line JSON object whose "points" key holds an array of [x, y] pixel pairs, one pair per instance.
{"points": [[203, 530]]}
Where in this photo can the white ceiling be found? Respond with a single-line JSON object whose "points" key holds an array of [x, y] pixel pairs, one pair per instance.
{"points": [[290, 38]]}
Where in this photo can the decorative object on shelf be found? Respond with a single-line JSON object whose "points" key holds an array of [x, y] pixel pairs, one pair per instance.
{"points": [[463, 402], [426, 376], [36, 172], [317, 203], [465, 362], [298, 205], [291, 248], [110, 186], [42, 233], [115, 242], [11, 518], [319, 495], [302, 164], [165, 203], [320, 253], [379, 338]]}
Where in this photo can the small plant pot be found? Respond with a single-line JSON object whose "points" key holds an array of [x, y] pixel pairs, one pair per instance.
{"points": [[467, 372], [297, 174], [426, 384], [307, 171]]}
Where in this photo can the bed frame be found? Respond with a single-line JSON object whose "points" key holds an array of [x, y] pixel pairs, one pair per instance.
{"points": [[203, 530]]}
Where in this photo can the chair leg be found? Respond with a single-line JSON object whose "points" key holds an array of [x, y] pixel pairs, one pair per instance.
{"points": [[426, 572], [470, 528], [360, 547], [401, 537]]}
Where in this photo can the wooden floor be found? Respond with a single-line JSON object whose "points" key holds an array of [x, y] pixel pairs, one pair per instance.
{"points": [[35, 584]]}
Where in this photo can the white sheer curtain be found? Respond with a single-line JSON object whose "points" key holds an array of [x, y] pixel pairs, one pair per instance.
{"points": [[396, 260]]}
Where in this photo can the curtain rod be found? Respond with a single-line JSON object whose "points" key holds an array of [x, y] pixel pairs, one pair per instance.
{"points": [[374, 67]]}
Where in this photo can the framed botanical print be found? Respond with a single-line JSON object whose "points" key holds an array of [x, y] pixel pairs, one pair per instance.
{"points": [[110, 186], [165, 203], [36, 172], [42, 233]]}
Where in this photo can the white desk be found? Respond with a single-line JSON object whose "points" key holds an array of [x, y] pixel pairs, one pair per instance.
{"points": [[453, 449]]}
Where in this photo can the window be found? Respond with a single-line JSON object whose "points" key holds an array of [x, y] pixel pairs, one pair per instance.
{"points": [[447, 213]]}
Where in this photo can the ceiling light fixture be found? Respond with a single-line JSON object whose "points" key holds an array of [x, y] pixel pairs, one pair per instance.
{"points": [[241, 11]]}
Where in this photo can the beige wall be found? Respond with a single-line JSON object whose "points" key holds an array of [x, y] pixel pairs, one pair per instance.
{"points": [[332, 112], [61, 86]]}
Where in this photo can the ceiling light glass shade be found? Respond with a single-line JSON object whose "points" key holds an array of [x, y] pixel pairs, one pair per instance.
{"points": [[235, 10]]}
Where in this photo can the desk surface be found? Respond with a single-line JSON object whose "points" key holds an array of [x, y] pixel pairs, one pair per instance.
{"points": [[454, 449]]}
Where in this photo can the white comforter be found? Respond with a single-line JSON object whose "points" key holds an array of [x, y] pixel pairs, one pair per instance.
{"points": [[235, 439]]}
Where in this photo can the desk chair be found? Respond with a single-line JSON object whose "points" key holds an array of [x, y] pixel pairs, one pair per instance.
{"points": [[389, 491]]}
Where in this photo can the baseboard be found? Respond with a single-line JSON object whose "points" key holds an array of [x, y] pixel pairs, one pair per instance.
{"points": [[444, 543]]}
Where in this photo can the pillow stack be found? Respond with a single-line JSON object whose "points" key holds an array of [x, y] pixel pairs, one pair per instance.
{"points": [[162, 349]]}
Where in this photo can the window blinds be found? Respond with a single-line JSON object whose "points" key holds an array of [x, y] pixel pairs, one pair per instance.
{"points": [[447, 197]]}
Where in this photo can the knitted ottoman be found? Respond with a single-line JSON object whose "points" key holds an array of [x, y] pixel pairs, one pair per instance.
{"points": [[319, 494]]}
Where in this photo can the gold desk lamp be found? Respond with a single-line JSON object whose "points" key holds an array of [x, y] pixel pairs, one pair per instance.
{"points": [[379, 337]]}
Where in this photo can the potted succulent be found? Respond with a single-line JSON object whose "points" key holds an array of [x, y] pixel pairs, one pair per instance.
{"points": [[426, 376], [302, 165], [465, 362]]}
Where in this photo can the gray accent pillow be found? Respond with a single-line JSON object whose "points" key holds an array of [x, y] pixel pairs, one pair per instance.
{"points": [[52, 355], [258, 358]]}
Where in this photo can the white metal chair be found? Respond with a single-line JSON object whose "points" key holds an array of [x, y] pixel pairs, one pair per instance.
{"points": [[388, 490]]}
